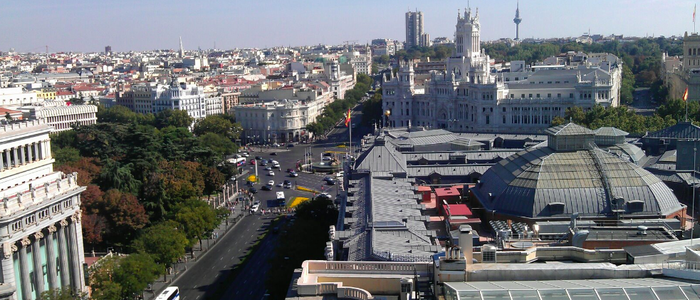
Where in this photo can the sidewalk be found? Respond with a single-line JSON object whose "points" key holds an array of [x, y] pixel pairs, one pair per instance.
{"points": [[180, 267]]}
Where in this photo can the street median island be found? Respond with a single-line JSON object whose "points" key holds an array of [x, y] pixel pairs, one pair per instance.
{"points": [[296, 201], [304, 189]]}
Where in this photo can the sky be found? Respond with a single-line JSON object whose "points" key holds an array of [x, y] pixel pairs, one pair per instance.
{"points": [[137, 25]]}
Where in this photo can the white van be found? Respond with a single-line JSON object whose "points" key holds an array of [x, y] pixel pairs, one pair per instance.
{"points": [[280, 196]]}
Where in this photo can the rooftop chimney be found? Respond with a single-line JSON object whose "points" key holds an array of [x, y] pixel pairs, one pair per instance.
{"points": [[466, 242]]}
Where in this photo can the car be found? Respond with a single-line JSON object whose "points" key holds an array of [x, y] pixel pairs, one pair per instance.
{"points": [[270, 160], [280, 185], [258, 158], [276, 166], [271, 182], [266, 187], [273, 153], [290, 170], [287, 184], [275, 145], [268, 168], [340, 174], [253, 190], [290, 145], [263, 163], [245, 154], [327, 178], [271, 173], [293, 174], [255, 207], [324, 195], [330, 182], [252, 162], [326, 158]]}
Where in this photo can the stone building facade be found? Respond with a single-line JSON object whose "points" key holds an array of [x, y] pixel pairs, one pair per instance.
{"points": [[472, 96], [41, 240]]}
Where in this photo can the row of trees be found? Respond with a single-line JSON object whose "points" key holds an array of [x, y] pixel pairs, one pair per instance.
{"points": [[146, 177], [335, 111]]}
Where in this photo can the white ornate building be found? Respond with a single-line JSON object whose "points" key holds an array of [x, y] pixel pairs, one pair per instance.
{"points": [[472, 96], [41, 239], [62, 117], [277, 121]]}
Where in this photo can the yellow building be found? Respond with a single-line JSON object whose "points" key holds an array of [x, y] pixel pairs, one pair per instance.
{"points": [[46, 94]]}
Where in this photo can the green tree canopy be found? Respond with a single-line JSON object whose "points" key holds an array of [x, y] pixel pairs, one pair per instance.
{"points": [[175, 118]]}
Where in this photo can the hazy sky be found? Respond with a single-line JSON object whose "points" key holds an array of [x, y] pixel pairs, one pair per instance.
{"points": [[89, 25]]}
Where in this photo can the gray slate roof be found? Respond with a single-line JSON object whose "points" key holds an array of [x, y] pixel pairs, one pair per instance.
{"points": [[682, 130]]}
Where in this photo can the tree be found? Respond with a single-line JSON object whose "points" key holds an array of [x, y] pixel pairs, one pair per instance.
{"points": [[65, 293], [213, 124], [134, 273], [102, 280], [219, 144], [197, 220], [114, 175], [65, 155], [175, 118], [165, 242], [126, 215], [213, 180]]}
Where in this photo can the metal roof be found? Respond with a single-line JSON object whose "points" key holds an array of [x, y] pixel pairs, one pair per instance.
{"points": [[610, 131], [569, 129], [621, 288], [525, 183]]}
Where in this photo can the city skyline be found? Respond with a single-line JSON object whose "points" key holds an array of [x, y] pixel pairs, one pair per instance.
{"points": [[88, 26]]}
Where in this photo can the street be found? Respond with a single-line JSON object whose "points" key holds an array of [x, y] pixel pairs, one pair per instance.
{"points": [[203, 279]]}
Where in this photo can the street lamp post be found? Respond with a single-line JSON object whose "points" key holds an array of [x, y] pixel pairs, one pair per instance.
{"points": [[387, 113]]}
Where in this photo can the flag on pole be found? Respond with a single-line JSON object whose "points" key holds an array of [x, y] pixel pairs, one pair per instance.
{"points": [[694, 8], [347, 118], [685, 95]]}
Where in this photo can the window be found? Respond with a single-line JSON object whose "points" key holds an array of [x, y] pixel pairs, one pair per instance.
{"points": [[16, 226], [571, 95]]}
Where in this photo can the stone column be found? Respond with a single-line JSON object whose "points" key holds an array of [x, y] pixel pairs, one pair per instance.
{"points": [[47, 149], [2, 158], [74, 255], [36, 151], [29, 153], [8, 268], [16, 158], [38, 266], [21, 155], [63, 254], [51, 258], [24, 269]]}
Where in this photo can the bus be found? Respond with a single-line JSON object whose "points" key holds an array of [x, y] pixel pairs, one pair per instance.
{"points": [[237, 161], [280, 199], [170, 293]]}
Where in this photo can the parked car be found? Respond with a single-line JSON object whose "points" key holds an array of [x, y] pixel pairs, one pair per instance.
{"points": [[268, 168], [253, 190], [258, 158], [293, 174], [266, 187], [280, 185], [271, 182], [270, 173], [287, 184], [245, 154], [273, 153]]}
